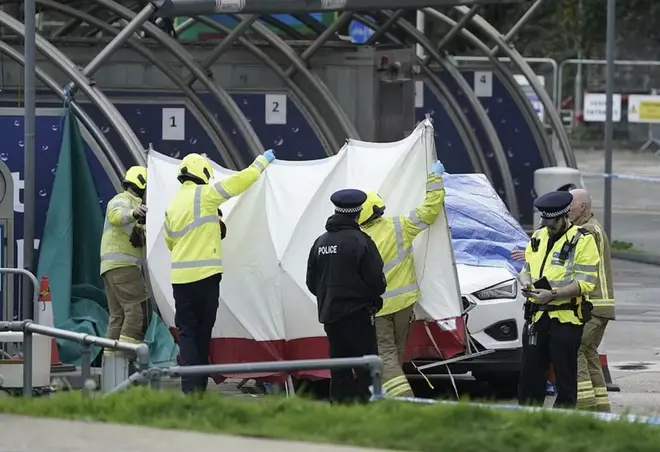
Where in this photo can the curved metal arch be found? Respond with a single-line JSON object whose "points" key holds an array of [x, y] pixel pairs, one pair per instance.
{"points": [[459, 119], [519, 97], [109, 161], [491, 133], [323, 131], [345, 124], [98, 98], [483, 25], [180, 53], [444, 96], [218, 136]]}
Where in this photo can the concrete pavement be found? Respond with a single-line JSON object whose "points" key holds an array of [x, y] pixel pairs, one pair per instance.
{"points": [[635, 205], [48, 435]]}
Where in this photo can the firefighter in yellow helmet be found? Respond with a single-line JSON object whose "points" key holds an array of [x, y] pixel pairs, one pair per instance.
{"points": [[394, 238], [122, 253], [193, 235]]}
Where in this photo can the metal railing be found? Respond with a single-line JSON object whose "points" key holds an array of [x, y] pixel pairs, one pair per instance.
{"points": [[154, 376], [9, 308], [28, 328]]}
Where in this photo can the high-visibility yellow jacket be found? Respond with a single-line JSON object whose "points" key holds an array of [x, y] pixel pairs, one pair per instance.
{"points": [[602, 296], [116, 248], [394, 238], [578, 263], [192, 230]]}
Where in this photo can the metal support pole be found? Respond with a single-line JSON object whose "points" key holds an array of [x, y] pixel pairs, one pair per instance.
{"points": [[27, 363], [29, 170], [309, 52], [119, 40], [518, 25], [230, 39], [609, 126], [385, 26], [86, 368], [460, 25], [420, 20]]}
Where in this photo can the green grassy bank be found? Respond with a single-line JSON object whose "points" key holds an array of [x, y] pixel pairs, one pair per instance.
{"points": [[387, 425]]}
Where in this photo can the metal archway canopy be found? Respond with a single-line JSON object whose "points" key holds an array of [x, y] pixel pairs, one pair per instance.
{"points": [[178, 8]]}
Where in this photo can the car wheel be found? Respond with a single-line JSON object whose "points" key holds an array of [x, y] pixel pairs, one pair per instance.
{"points": [[503, 384]]}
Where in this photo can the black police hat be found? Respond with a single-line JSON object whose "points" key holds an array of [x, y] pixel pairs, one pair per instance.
{"points": [[348, 201], [553, 205]]}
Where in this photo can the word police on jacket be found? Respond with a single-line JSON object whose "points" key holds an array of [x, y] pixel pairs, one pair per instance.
{"points": [[328, 249]]}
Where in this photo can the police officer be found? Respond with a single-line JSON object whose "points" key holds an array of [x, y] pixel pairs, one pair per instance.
{"points": [[394, 238], [561, 269], [345, 273], [193, 235], [121, 258]]}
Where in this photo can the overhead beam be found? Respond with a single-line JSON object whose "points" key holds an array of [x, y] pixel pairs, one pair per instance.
{"points": [[179, 8]]}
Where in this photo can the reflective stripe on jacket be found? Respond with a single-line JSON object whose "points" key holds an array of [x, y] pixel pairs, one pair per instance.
{"points": [[192, 230], [394, 238], [602, 296], [579, 264], [116, 248]]}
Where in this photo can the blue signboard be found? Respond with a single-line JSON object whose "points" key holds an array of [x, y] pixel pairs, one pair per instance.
{"points": [[359, 32]]}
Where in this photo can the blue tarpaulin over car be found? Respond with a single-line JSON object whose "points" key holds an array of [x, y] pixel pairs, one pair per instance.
{"points": [[483, 231]]}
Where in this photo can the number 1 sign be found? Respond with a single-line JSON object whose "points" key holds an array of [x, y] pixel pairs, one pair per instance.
{"points": [[174, 124], [275, 109]]}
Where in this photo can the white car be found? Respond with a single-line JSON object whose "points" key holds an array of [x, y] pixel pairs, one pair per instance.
{"points": [[493, 307]]}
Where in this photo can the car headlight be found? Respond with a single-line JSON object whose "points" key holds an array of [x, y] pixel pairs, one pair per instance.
{"points": [[507, 289]]}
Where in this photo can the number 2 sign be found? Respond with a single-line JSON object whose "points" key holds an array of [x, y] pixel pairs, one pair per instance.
{"points": [[275, 109], [174, 124]]}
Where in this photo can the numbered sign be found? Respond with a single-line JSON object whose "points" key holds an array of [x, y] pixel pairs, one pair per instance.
{"points": [[174, 124], [275, 109], [483, 84]]}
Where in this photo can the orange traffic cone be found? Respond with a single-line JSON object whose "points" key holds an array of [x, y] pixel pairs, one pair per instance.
{"points": [[45, 317], [611, 386]]}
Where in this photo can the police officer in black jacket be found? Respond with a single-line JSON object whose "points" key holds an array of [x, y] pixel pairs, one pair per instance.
{"points": [[345, 273]]}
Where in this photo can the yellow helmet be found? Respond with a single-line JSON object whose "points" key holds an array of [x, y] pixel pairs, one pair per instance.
{"points": [[373, 204], [197, 166], [136, 175]]}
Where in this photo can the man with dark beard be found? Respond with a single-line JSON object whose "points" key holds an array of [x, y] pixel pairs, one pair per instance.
{"points": [[561, 269]]}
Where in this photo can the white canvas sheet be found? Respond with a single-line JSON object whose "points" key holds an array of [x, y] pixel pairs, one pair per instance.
{"points": [[272, 226]]}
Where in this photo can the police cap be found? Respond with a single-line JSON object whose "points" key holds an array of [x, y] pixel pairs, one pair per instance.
{"points": [[348, 201], [553, 205]]}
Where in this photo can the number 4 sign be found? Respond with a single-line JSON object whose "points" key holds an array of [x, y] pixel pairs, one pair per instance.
{"points": [[174, 124], [275, 109], [483, 84]]}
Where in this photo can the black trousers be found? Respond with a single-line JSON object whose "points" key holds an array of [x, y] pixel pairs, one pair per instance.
{"points": [[196, 307], [353, 336], [557, 343]]}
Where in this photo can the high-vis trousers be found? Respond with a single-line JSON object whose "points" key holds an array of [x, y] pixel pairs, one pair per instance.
{"points": [[196, 308], [558, 343], [592, 389], [128, 304], [393, 331]]}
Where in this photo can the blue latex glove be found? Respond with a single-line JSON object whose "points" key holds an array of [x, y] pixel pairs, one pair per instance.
{"points": [[270, 155], [438, 168]]}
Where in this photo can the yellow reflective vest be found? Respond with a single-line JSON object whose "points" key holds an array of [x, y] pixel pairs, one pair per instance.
{"points": [[192, 229], [602, 296], [394, 238], [573, 257], [116, 248]]}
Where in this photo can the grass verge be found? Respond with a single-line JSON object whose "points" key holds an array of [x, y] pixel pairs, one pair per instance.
{"points": [[386, 425], [628, 247]]}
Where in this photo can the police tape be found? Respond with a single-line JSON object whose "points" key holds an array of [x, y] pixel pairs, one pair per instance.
{"points": [[607, 417], [630, 177]]}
